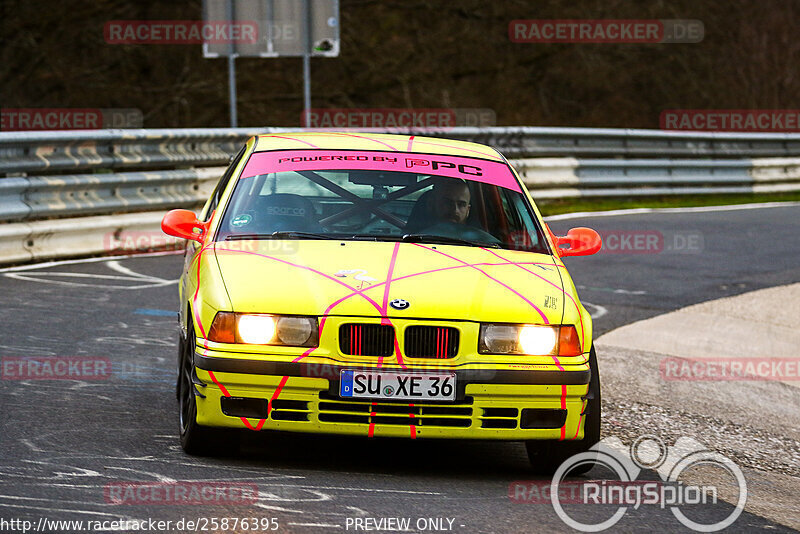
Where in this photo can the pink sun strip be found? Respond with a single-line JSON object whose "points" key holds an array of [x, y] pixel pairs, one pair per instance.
{"points": [[470, 169]]}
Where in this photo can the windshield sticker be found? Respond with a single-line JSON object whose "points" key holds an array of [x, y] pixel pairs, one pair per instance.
{"points": [[285, 211], [470, 169], [241, 220]]}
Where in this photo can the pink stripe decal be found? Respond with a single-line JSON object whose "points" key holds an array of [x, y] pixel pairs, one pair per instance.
{"points": [[329, 277], [453, 147], [580, 419], [295, 139], [580, 318], [384, 320], [389, 280], [490, 277], [367, 138], [471, 169]]}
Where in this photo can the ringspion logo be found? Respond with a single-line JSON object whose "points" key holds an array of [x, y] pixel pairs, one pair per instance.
{"points": [[626, 490]]}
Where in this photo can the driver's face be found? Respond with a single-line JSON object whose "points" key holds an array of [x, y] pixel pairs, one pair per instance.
{"points": [[452, 204]]}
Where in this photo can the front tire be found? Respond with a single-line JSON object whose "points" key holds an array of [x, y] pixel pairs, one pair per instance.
{"points": [[547, 455], [195, 439]]}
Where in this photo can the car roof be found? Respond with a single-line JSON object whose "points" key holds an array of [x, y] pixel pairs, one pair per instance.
{"points": [[374, 141]]}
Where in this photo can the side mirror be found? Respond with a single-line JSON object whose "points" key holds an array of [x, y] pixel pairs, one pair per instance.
{"points": [[581, 241], [182, 223]]}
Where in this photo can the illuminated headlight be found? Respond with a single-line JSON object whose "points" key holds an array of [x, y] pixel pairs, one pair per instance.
{"points": [[533, 340], [256, 329], [262, 329], [538, 339]]}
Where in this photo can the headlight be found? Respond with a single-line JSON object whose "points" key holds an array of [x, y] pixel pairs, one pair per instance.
{"points": [[262, 329], [295, 330], [256, 329], [537, 339], [533, 340]]}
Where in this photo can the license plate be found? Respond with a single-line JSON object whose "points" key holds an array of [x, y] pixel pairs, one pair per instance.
{"points": [[397, 386]]}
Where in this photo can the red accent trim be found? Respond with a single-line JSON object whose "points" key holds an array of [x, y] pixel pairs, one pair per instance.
{"points": [[371, 431], [564, 407], [580, 419], [413, 428], [398, 354]]}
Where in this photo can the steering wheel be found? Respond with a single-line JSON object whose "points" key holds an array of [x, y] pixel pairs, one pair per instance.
{"points": [[461, 231]]}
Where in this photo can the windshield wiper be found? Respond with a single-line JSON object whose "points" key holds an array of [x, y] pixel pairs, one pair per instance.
{"points": [[279, 235], [444, 240]]}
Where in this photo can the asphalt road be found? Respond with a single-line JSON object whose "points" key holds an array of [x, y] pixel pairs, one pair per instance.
{"points": [[66, 444]]}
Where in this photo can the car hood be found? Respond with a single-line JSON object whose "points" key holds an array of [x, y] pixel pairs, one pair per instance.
{"points": [[311, 277]]}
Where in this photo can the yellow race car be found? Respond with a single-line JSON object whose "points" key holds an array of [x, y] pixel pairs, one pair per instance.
{"points": [[382, 285]]}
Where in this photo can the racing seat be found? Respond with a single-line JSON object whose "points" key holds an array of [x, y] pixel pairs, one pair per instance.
{"points": [[284, 212], [421, 215]]}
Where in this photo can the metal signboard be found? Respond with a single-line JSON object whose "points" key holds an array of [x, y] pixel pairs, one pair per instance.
{"points": [[284, 28]]}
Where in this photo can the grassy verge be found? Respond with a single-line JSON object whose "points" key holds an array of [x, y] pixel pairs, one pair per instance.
{"points": [[554, 207]]}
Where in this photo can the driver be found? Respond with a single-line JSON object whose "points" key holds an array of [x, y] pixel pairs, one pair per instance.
{"points": [[451, 202]]}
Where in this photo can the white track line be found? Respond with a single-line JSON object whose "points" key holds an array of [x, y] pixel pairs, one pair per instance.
{"points": [[115, 266], [599, 311], [87, 260]]}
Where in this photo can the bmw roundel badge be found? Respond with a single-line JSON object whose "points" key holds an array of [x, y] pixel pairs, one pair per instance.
{"points": [[399, 304]]}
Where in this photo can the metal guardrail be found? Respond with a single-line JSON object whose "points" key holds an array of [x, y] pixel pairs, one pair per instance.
{"points": [[549, 178], [60, 188], [47, 152], [43, 197]]}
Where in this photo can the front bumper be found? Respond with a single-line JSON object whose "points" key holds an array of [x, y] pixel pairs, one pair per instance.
{"points": [[494, 401]]}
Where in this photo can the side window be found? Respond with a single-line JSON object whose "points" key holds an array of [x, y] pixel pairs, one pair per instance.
{"points": [[223, 182]]}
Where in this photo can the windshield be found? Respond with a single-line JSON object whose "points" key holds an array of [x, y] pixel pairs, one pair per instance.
{"points": [[382, 204]]}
